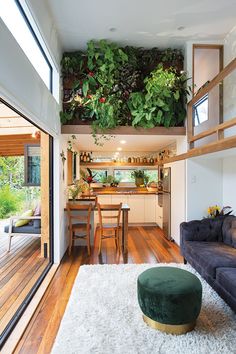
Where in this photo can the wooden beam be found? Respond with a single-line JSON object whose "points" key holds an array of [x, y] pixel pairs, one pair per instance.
{"points": [[217, 79], [86, 129], [45, 219], [224, 144], [26, 137], [218, 128]]}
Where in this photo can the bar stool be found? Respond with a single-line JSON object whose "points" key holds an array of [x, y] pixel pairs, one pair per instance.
{"points": [[81, 227], [103, 228]]}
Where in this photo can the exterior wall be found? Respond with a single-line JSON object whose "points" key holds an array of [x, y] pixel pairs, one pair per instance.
{"points": [[204, 186]]}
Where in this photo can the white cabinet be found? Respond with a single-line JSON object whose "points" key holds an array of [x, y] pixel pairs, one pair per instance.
{"points": [[142, 207], [137, 208], [150, 208], [159, 216], [120, 198]]}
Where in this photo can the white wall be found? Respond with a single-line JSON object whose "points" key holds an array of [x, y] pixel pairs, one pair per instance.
{"points": [[230, 81], [22, 87], [43, 18], [177, 197], [203, 186], [229, 182], [60, 198]]}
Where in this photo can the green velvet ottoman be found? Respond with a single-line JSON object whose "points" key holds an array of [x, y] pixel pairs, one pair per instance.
{"points": [[170, 299]]}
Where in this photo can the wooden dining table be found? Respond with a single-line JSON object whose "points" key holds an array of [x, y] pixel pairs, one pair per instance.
{"points": [[124, 213]]}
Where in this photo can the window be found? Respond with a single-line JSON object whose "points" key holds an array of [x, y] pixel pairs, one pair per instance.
{"points": [[200, 111], [152, 174], [99, 175], [123, 175], [14, 17]]}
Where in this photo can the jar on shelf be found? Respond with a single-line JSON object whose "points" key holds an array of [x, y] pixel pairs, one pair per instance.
{"points": [[129, 159]]}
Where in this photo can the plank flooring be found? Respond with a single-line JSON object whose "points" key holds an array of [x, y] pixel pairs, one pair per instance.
{"points": [[145, 245], [19, 270]]}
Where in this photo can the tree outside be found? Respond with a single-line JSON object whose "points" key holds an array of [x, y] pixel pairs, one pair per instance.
{"points": [[14, 196]]}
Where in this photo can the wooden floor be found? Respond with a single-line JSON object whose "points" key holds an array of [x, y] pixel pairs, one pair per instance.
{"points": [[19, 270], [145, 245]]}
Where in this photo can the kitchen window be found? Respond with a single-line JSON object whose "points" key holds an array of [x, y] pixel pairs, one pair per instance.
{"points": [[99, 175], [123, 175], [152, 174]]}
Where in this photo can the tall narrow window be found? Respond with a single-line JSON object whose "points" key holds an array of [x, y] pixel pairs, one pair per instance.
{"points": [[16, 21]]}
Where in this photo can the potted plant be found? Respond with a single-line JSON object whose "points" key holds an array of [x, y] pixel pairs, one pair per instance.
{"points": [[110, 180], [80, 186], [138, 176]]}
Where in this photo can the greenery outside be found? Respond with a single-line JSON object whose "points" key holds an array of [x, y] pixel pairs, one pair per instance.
{"points": [[14, 197]]}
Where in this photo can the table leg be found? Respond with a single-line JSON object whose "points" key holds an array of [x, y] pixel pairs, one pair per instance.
{"points": [[125, 225]]}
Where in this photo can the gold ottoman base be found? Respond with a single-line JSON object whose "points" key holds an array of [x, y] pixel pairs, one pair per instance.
{"points": [[167, 328]]}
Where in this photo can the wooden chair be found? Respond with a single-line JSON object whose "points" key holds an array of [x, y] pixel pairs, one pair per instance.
{"points": [[84, 226], [114, 228]]}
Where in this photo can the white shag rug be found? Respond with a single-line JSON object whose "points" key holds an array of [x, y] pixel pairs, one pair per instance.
{"points": [[103, 317]]}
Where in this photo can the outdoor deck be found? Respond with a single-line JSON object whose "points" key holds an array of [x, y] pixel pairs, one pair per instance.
{"points": [[19, 270]]}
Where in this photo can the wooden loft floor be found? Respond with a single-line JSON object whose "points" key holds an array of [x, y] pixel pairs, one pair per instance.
{"points": [[19, 270], [145, 245]]}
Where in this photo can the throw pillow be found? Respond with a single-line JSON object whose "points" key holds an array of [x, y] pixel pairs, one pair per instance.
{"points": [[37, 210], [23, 222]]}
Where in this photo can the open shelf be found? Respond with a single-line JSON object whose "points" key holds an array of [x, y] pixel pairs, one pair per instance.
{"points": [[113, 164]]}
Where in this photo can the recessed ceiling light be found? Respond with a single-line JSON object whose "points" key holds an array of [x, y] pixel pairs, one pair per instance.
{"points": [[122, 141], [180, 28], [112, 29], [119, 149]]}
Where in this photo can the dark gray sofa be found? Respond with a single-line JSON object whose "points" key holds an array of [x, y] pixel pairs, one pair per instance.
{"points": [[209, 245]]}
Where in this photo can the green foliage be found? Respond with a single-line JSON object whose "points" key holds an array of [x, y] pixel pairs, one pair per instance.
{"points": [[162, 102], [115, 86], [12, 171], [138, 174], [10, 201], [114, 182]]}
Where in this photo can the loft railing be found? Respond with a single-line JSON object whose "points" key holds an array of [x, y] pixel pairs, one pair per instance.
{"points": [[217, 129]]}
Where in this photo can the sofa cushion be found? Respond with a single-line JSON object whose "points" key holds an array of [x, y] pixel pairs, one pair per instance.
{"points": [[229, 231], [226, 277], [22, 222], [202, 230], [37, 223], [27, 229], [212, 255]]}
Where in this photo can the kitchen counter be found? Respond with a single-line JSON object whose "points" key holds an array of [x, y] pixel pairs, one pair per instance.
{"points": [[125, 191]]}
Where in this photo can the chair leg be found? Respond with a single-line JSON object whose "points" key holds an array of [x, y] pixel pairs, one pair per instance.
{"points": [[88, 242], [100, 242], [9, 244], [70, 241], [116, 239]]}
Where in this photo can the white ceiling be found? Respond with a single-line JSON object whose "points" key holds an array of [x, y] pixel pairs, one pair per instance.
{"points": [[146, 23], [85, 142]]}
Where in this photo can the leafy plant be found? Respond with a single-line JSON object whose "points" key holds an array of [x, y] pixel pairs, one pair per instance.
{"points": [[114, 182], [11, 201], [163, 100], [115, 86]]}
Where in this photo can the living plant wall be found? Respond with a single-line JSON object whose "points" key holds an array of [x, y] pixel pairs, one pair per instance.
{"points": [[109, 86]]}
